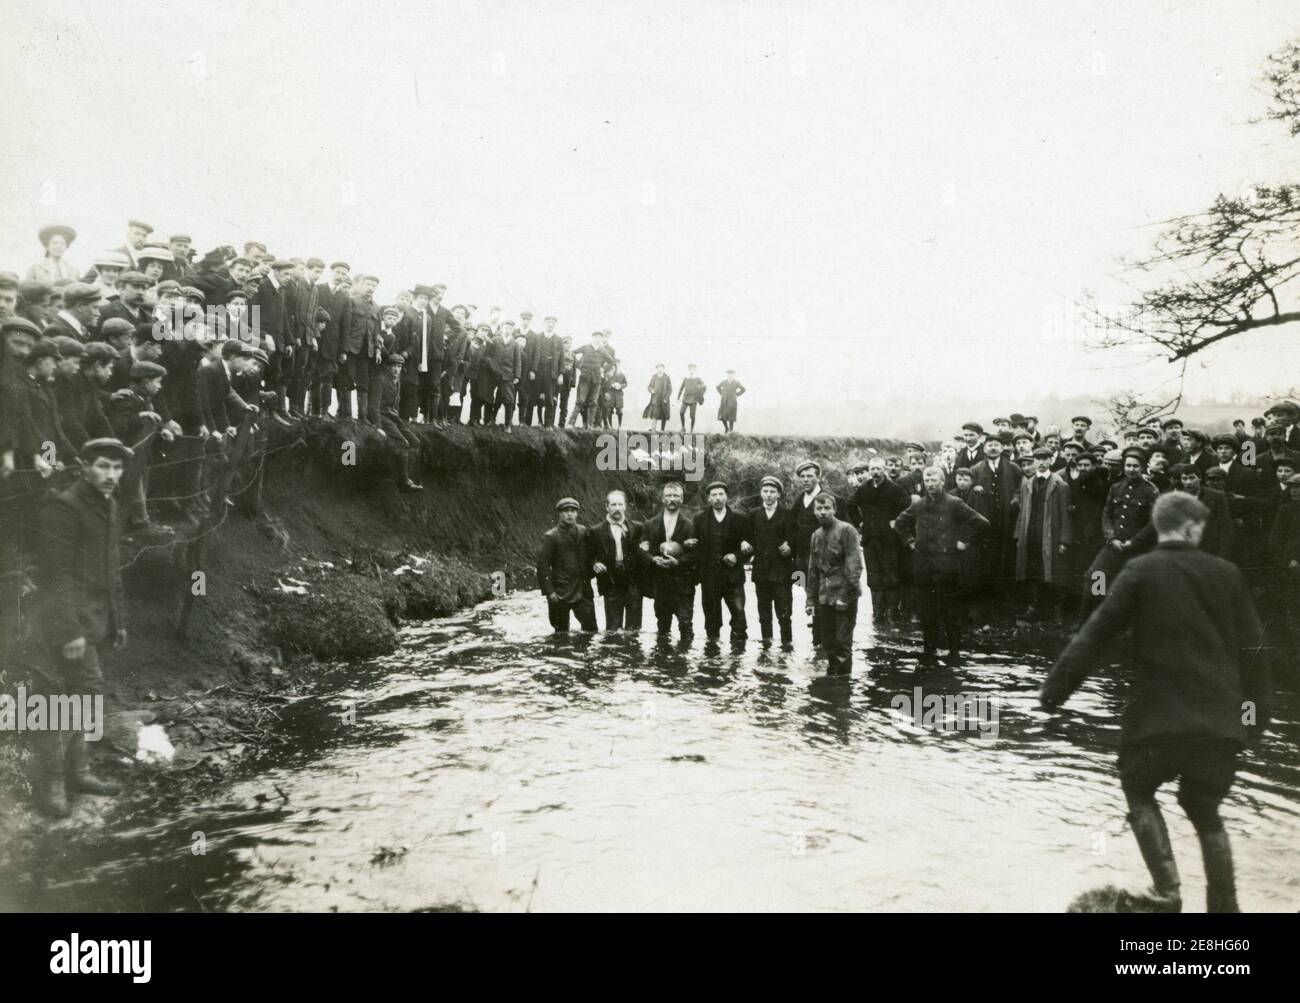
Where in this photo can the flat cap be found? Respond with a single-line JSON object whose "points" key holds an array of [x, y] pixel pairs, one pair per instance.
{"points": [[771, 482], [1137, 451], [169, 287], [146, 370], [281, 264], [257, 355], [236, 294], [567, 503], [916, 447], [341, 264], [142, 225], [34, 291], [394, 359], [180, 238], [715, 484], [68, 346], [1022, 435], [1169, 423], [115, 449], [963, 470], [79, 294], [973, 426], [1042, 453], [1224, 439], [806, 464], [133, 278], [45, 349], [115, 326], [1083, 418], [8, 280], [11, 325], [1113, 456], [100, 351], [194, 293]]}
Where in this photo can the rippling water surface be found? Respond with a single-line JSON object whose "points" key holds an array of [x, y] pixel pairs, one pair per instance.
{"points": [[494, 766]]}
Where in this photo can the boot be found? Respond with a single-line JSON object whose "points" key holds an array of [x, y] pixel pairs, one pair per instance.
{"points": [[51, 799], [1220, 884], [1153, 840], [79, 776]]}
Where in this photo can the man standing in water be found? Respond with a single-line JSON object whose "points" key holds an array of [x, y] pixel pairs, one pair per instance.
{"points": [[564, 570], [616, 560], [667, 542], [834, 583], [81, 612], [1196, 692], [720, 562]]}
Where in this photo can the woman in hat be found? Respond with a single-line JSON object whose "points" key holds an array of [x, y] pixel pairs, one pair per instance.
{"points": [[54, 267]]}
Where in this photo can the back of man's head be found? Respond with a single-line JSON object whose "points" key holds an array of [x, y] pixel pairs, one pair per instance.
{"points": [[1174, 510]]}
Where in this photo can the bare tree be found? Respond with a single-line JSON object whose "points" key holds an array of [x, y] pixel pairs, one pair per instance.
{"points": [[1223, 272]]}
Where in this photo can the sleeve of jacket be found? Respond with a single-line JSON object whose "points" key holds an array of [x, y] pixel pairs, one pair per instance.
{"points": [[61, 541], [1063, 513], [545, 558], [971, 520], [853, 566], [905, 524], [1107, 515], [1086, 651]]}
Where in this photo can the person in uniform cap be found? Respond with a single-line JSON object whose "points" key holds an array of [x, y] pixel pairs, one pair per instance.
{"points": [[80, 612], [1196, 666], [54, 267], [721, 548], [564, 570], [834, 583], [1126, 513], [771, 533]]}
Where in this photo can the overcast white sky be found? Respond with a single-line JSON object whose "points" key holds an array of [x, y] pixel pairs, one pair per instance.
{"points": [[832, 197]]}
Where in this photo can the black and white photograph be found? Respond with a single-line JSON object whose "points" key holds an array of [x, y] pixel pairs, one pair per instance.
{"points": [[682, 457]]}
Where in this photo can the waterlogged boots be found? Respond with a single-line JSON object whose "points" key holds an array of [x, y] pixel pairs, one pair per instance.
{"points": [[1220, 884], [51, 798], [80, 778], [1153, 840]]}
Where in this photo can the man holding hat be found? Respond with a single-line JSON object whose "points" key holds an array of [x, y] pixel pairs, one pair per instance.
{"points": [[771, 533], [721, 549], [834, 583], [564, 570], [80, 612]]}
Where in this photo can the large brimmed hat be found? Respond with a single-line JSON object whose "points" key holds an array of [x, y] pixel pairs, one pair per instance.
{"points": [[56, 230]]}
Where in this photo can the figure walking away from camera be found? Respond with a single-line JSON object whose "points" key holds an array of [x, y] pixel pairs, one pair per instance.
{"points": [[1193, 639]]}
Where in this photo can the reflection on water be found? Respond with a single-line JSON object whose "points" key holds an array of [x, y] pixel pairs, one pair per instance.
{"points": [[494, 766]]}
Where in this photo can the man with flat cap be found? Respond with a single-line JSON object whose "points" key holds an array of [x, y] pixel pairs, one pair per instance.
{"points": [[721, 547], [972, 452], [130, 302], [82, 396], [771, 533], [179, 268], [1043, 535], [543, 366], [80, 612], [808, 475], [878, 502], [1082, 425], [136, 420], [79, 317], [834, 583], [564, 570]]}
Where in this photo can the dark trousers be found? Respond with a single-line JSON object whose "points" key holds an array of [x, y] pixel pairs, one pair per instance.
{"points": [[298, 370], [431, 391], [682, 414], [623, 609], [940, 608], [1204, 769], [837, 635], [713, 596], [564, 395], [543, 399], [447, 385], [584, 610], [485, 396], [375, 394], [408, 402], [680, 605], [775, 596], [505, 400], [361, 370], [588, 388]]}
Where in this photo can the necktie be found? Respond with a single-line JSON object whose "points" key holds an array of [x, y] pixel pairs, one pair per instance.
{"points": [[424, 342]]}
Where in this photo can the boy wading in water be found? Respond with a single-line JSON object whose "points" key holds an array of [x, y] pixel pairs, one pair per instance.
{"points": [[1196, 693]]}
